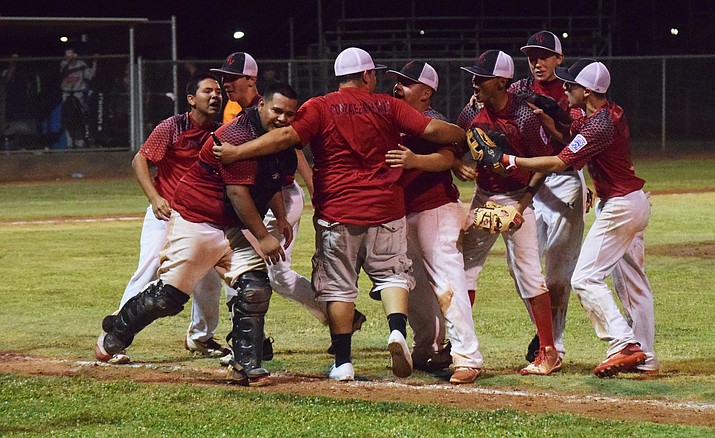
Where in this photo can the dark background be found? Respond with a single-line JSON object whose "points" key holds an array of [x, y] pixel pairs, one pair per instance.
{"points": [[205, 29]]}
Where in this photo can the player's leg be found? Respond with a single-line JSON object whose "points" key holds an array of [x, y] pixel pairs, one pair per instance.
{"points": [[153, 238], [335, 275], [635, 293], [387, 265], [523, 260], [607, 241], [562, 212], [205, 318], [444, 264], [191, 252], [424, 314], [285, 281]]}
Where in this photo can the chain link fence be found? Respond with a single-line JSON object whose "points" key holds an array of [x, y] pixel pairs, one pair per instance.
{"points": [[668, 100]]}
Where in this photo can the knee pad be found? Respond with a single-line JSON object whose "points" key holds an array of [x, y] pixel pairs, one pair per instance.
{"points": [[253, 294]]}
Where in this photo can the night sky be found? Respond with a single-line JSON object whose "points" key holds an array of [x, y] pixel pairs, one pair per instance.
{"points": [[205, 28]]}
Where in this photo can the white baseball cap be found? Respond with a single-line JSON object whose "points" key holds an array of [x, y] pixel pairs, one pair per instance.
{"points": [[492, 64], [354, 60], [417, 71], [588, 73], [240, 64]]}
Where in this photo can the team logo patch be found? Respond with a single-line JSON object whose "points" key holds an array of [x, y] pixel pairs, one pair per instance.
{"points": [[543, 135], [577, 143]]}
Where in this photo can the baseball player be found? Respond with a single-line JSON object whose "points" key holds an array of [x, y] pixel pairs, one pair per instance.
{"points": [[212, 203], [359, 201], [559, 204], [614, 244], [435, 220], [239, 74], [173, 147], [520, 128]]}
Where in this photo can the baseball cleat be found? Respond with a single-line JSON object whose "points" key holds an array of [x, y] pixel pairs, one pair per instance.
{"points": [[401, 359], [547, 361], [101, 354], [268, 348], [441, 360], [209, 348], [629, 357], [464, 375], [533, 349], [343, 373]]}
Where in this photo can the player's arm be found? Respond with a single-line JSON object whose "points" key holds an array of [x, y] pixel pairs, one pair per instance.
{"points": [[248, 214], [305, 171], [545, 164], [278, 207], [441, 132], [406, 159], [535, 183], [269, 143], [159, 205]]}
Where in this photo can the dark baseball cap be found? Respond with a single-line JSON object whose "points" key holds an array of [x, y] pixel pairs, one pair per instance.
{"points": [[492, 64], [543, 39], [417, 71], [588, 73], [240, 64]]}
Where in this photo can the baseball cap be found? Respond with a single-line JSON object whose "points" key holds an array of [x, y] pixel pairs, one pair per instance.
{"points": [[543, 39], [491, 64], [354, 60], [417, 71], [588, 73], [239, 63]]}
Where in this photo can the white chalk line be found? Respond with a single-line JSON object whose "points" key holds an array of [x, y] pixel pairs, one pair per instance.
{"points": [[447, 388]]}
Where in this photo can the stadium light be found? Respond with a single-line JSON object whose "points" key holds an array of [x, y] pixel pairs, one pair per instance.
{"points": [[565, 35], [674, 31], [64, 39], [238, 35]]}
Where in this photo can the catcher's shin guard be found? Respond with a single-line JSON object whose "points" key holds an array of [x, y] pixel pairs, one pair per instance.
{"points": [[248, 309], [156, 301]]}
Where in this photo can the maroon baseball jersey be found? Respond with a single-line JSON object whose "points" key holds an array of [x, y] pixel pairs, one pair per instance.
{"points": [[428, 190], [603, 141], [349, 132], [553, 89], [200, 195], [173, 146], [523, 131]]}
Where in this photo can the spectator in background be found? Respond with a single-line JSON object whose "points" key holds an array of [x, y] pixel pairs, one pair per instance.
{"points": [[75, 84]]}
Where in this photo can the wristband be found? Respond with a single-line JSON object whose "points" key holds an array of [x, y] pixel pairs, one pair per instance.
{"points": [[509, 161]]}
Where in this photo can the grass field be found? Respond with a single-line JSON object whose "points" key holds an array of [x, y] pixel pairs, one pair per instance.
{"points": [[65, 259]]}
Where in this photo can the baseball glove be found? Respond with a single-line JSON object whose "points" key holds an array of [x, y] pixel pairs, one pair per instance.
{"points": [[486, 151], [548, 104], [497, 218]]}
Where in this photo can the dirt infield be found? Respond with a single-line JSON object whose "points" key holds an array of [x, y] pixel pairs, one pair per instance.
{"points": [[463, 397]]}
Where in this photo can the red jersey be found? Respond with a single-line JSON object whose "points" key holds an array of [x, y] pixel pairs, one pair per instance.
{"points": [[523, 130], [428, 190], [603, 141], [200, 195], [553, 89], [349, 132], [173, 146]]}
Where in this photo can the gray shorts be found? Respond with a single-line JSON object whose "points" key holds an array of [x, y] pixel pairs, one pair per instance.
{"points": [[342, 250]]}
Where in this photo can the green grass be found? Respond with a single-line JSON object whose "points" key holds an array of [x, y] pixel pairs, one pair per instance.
{"points": [[60, 278], [68, 407]]}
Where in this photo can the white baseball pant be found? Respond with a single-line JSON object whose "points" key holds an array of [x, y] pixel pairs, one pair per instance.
{"points": [[614, 245], [559, 209], [440, 285]]}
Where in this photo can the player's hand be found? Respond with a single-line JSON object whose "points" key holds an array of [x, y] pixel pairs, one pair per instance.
{"points": [[464, 171], [226, 153], [161, 209], [402, 157], [271, 249], [286, 230]]}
